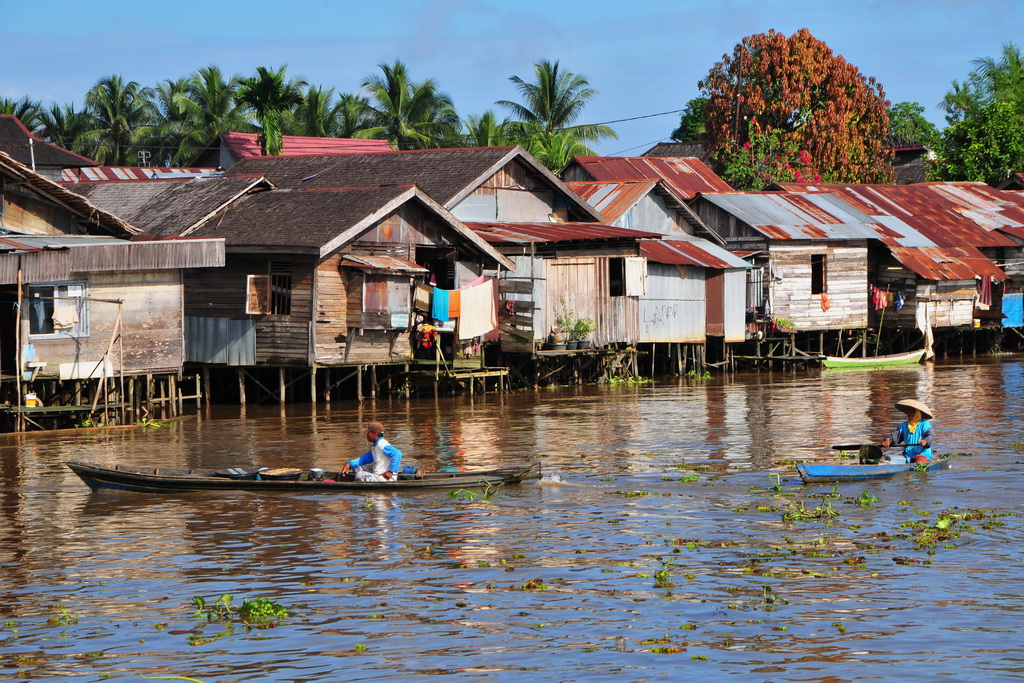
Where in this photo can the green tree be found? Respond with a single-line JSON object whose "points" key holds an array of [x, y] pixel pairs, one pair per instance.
{"points": [[28, 111], [987, 146], [908, 126], [691, 121], [123, 116], [268, 95], [992, 80], [407, 114], [351, 115], [316, 116], [555, 149], [210, 105], [486, 131], [553, 102], [767, 157], [813, 98], [65, 127], [171, 127]]}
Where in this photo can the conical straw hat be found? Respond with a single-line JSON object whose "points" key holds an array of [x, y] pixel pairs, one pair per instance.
{"points": [[909, 405]]}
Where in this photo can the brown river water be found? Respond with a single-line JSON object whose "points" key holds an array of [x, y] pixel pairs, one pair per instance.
{"points": [[670, 537]]}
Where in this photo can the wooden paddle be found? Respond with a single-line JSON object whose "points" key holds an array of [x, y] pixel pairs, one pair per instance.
{"points": [[857, 446]]}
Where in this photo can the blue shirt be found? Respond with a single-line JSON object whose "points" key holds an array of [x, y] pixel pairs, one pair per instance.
{"points": [[923, 432], [380, 447]]}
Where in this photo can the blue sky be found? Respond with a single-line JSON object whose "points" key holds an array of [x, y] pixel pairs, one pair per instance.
{"points": [[644, 57]]}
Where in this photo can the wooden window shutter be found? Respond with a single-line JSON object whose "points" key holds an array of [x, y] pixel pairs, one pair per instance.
{"points": [[258, 295], [636, 282]]}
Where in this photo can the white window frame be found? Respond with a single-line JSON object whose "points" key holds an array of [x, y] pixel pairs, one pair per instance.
{"points": [[42, 297]]}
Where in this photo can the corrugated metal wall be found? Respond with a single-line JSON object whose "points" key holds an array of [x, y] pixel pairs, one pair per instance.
{"points": [[735, 305], [221, 341], [673, 308]]}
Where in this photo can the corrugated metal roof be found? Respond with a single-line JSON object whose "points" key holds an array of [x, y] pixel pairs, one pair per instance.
{"points": [[793, 216], [947, 263], [690, 253], [99, 174], [380, 262], [988, 207], [613, 199], [497, 233], [686, 176], [247, 146]]}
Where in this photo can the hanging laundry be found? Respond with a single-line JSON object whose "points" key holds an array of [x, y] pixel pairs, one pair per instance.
{"points": [[985, 292], [478, 312], [880, 298], [454, 303], [64, 317], [439, 306], [825, 303], [899, 296], [421, 297]]}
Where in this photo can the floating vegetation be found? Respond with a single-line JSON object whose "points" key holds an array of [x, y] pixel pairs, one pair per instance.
{"points": [[798, 512], [532, 585], [689, 478], [663, 577], [693, 374], [629, 380], [258, 612], [866, 500]]}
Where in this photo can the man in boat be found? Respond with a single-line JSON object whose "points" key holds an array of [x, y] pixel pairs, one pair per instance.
{"points": [[915, 433], [380, 463]]}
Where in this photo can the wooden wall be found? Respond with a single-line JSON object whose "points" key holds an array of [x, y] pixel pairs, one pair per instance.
{"points": [[152, 324], [24, 213], [846, 284], [584, 284]]}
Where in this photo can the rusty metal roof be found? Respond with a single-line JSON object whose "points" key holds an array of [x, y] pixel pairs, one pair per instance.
{"points": [[685, 176], [511, 233], [926, 207], [613, 199], [381, 262], [99, 174], [947, 263], [690, 252], [990, 208], [798, 216]]}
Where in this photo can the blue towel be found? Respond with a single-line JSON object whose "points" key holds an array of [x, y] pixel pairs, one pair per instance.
{"points": [[439, 306], [1013, 310]]}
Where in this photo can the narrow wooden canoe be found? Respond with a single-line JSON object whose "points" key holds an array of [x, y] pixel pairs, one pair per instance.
{"points": [[908, 358], [812, 473], [161, 479]]}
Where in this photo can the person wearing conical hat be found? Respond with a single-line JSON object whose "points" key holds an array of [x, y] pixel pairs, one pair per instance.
{"points": [[916, 433]]}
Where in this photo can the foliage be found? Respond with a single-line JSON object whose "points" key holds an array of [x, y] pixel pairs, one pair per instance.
{"points": [[29, 112], [545, 119], [485, 131], [407, 114], [258, 612], [691, 121], [268, 95], [122, 116], [987, 146], [814, 99], [908, 126], [991, 81], [764, 159], [209, 105], [574, 327]]}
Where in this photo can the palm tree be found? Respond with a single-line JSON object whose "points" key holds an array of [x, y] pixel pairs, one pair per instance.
{"points": [[409, 115], [209, 103], [27, 111], [554, 150], [316, 115], [172, 125], [64, 127], [123, 116], [554, 102], [485, 131], [269, 96], [351, 115]]}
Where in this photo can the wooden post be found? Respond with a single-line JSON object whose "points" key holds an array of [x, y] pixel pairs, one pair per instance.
{"points": [[359, 384], [174, 394], [280, 385], [312, 385], [241, 386], [373, 381]]}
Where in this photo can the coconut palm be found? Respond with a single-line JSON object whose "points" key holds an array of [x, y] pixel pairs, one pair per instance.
{"points": [[351, 115], [268, 95], [28, 111], [554, 102], [485, 131], [316, 115], [171, 127], [210, 106], [64, 127], [555, 150], [409, 115], [123, 116]]}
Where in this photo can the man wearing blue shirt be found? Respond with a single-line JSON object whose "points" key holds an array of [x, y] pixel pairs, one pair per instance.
{"points": [[380, 463]]}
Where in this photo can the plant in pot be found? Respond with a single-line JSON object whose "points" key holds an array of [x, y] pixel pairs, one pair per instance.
{"points": [[581, 330], [565, 323]]}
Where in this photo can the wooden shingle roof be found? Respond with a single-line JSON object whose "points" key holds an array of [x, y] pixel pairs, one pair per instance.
{"points": [[15, 139]]}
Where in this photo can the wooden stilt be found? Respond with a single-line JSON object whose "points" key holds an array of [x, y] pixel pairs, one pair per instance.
{"points": [[241, 386], [359, 384], [312, 385]]}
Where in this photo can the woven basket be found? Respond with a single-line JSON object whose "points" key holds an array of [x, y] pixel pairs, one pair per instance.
{"points": [[281, 473]]}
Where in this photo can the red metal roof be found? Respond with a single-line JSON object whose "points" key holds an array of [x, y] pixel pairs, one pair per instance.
{"points": [[553, 232], [612, 199], [381, 262], [686, 253], [947, 263], [126, 173], [247, 145], [685, 176]]}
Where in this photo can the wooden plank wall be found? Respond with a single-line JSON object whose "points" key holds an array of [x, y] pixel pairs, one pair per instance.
{"points": [[330, 326], [846, 284], [28, 214], [584, 284]]}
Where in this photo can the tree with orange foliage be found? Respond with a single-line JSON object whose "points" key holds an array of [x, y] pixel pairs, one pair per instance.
{"points": [[813, 100]]}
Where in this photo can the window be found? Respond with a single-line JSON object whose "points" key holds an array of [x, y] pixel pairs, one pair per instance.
{"points": [[386, 293], [58, 309], [818, 273], [270, 294], [617, 276], [626, 276]]}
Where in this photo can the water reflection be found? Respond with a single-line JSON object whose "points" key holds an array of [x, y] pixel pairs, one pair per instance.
{"points": [[554, 580]]}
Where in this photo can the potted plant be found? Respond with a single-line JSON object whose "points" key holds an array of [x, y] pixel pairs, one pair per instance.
{"points": [[566, 323], [581, 330]]}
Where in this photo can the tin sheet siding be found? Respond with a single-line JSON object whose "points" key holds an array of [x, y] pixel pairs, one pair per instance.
{"points": [[583, 283], [673, 308], [220, 341], [152, 337], [846, 285], [650, 214], [735, 305]]}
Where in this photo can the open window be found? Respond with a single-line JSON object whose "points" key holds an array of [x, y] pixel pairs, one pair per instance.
{"points": [[819, 273], [270, 294], [626, 276], [58, 309]]}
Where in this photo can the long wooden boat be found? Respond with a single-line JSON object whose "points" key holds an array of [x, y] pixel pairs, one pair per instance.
{"points": [[162, 479], [908, 358], [814, 473]]}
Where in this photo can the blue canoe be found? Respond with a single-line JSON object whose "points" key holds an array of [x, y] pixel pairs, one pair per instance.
{"points": [[826, 473]]}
